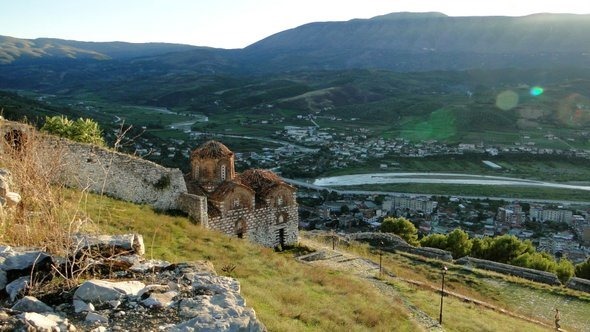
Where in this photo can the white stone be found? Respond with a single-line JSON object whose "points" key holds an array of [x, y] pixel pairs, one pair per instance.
{"points": [[100, 291], [94, 317], [149, 265], [31, 304], [81, 306], [114, 304], [131, 243], [43, 322], [160, 300], [12, 199]]}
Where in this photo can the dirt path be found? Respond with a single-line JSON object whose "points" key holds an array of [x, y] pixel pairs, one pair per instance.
{"points": [[368, 270]]}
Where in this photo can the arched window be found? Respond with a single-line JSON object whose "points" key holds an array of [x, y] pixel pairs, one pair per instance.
{"points": [[280, 201], [222, 172], [280, 219], [236, 203]]}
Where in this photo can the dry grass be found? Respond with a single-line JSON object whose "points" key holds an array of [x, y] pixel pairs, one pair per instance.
{"points": [[43, 218]]}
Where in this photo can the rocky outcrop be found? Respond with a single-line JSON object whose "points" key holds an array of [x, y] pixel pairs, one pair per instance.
{"points": [[146, 295]]}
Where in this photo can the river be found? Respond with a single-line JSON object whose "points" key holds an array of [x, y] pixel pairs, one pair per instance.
{"points": [[437, 178]]}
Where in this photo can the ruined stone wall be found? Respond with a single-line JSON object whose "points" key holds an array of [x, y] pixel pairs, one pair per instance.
{"points": [[534, 275], [579, 284], [119, 175], [104, 171]]}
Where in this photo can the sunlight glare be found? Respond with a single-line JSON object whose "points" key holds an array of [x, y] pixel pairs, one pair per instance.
{"points": [[507, 100], [536, 91]]}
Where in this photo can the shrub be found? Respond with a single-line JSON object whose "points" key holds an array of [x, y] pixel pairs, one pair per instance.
{"points": [[81, 130], [402, 227], [583, 270]]}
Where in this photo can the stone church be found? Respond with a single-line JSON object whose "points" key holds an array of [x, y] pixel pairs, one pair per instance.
{"points": [[255, 204]]}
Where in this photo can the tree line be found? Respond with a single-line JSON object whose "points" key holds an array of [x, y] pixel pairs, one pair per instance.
{"points": [[506, 249]]}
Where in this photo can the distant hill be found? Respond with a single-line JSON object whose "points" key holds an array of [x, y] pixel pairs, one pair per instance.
{"points": [[429, 41], [15, 50]]}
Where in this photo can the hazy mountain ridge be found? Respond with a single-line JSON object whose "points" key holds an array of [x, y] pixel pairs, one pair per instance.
{"points": [[14, 50], [397, 41], [430, 41]]}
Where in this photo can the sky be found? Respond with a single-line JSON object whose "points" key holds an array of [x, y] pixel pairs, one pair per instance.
{"points": [[227, 23]]}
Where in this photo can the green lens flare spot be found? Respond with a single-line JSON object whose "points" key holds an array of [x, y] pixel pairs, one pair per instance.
{"points": [[536, 91]]}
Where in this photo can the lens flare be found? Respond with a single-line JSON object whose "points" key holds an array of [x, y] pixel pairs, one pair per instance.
{"points": [[507, 100], [536, 91]]}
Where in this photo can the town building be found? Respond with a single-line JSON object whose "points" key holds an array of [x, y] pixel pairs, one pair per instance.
{"points": [[539, 214], [411, 203], [255, 204]]}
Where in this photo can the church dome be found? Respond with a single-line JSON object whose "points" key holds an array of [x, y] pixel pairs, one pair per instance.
{"points": [[212, 150]]}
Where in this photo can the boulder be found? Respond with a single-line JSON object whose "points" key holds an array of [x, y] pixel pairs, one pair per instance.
{"points": [[24, 261], [45, 321], [109, 245], [100, 291], [31, 304]]}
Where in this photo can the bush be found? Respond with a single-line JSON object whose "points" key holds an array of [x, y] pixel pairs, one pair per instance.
{"points": [[402, 227], [583, 270], [565, 270], [434, 241], [81, 130]]}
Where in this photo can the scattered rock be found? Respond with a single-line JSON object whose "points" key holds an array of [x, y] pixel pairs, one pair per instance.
{"points": [[81, 306], [16, 287], [24, 261], [31, 304], [179, 297], [94, 317], [160, 300], [45, 321]]}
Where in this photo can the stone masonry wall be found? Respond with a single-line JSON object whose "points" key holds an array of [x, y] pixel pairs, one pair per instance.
{"points": [[262, 224], [119, 175], [195, 206]]}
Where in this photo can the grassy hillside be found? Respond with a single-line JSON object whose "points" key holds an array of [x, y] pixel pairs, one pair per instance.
{"points": [[286, 294], [307, 298]]}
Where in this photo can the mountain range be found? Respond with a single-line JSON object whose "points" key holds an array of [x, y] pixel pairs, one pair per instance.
{"points": [[398, 41]]}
